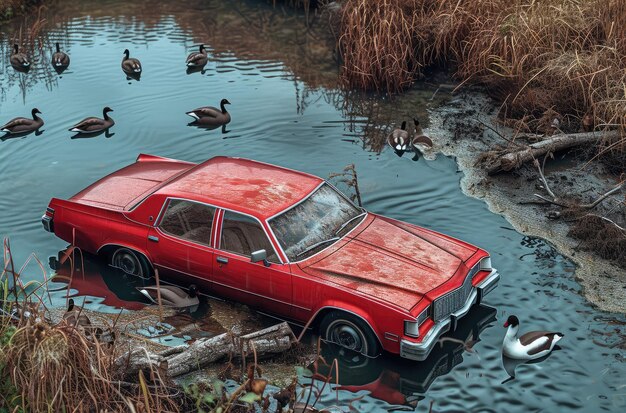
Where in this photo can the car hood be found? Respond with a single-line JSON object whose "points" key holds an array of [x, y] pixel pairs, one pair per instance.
{"points": [[393, 261]]}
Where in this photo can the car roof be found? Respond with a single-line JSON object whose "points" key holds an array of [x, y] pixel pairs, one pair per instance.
{"points": [[244, 185]]}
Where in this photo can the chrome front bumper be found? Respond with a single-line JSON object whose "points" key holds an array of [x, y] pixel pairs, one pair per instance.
{"points": [[420, 351]]}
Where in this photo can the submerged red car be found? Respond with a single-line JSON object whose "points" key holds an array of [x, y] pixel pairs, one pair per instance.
{"points": [[284, 242]]}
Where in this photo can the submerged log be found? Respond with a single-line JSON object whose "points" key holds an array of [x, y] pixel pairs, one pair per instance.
{"points": [[180, 360], [516, 157]]}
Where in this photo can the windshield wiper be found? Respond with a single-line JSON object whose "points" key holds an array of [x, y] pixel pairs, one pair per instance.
{"points": [[345, 224], [317, 244]]}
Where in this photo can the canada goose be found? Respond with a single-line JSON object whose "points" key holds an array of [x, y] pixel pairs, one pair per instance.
{"points": [[93, 124], [198, 59], [398, 139], [419, 138], [19, 60], [23, 125], [60, 59], [211, 116], [75, 316], [171, 296], [130, 65], [532, 345]]}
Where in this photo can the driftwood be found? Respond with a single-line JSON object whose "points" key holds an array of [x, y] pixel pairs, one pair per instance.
{"points": [[182, 359], [516, 157]]}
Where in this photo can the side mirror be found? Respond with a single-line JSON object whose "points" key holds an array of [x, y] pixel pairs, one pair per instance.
{"points": [[260, 255]]}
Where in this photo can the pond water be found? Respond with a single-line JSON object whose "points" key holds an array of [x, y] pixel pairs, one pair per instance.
{"points": [[278, 70]]}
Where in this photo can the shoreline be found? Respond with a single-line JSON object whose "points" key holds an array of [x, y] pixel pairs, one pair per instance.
{"points": [[603, 283]]}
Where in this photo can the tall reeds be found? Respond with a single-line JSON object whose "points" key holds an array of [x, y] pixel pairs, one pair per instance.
{"points": [[564, 55]]}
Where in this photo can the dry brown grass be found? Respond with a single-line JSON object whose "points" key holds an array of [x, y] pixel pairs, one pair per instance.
{"points": [[562, 55], [62, 367]]}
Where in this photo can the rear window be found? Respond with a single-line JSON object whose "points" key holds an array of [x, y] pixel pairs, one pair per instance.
{"points": [[191, 221]]}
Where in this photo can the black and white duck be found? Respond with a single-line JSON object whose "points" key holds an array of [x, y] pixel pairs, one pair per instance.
{"points": [[530, 346]]}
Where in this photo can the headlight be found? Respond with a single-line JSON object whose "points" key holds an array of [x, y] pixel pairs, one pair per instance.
{"points": [[411, 328], [485, 264]]}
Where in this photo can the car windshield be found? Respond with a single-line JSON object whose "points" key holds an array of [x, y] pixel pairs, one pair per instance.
{"points": [[315, 223]]}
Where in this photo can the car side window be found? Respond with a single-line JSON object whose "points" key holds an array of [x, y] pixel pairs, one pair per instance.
{"points": [[188, 220], [243, 235]]}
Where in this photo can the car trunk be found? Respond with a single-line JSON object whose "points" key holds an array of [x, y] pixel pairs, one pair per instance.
{"points": [[124, 188]]}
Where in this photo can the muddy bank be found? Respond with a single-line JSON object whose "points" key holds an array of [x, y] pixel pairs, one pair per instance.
{"points": [[458, 132]]}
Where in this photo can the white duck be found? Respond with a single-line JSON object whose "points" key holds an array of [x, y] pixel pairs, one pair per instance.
{"points": [[530, 346]]}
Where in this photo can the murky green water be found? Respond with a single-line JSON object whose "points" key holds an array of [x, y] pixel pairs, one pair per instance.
{"points": [[286, 107]]}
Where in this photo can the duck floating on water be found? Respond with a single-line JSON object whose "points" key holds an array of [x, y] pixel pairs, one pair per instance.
{"points": [[530, 346], [171, 296], [211, 116], [19, 60], [130, 65], [23, 125], [398, 139], [93, 124], [60, 60], [197, 59], [420, 139]]}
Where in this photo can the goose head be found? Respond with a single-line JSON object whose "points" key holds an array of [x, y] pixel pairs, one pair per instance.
{"points": [[126, 54], [58, 47], [513, 325], [193, 291], [403, 127], [222, 103], [106, 111], [202, 48], [16, 48], [70, 304]]}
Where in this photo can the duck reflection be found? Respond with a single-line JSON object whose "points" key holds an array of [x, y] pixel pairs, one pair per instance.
{"points": [[403, 382]]}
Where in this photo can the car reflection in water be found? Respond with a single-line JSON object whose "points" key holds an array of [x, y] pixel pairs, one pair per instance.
{"points": [[91, 277], [398, 381], [115, 289]]}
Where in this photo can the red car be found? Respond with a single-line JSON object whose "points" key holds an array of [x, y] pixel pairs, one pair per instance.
{"points": [[282, 241]]}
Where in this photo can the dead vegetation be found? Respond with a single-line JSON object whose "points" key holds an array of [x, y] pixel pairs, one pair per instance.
{"points": [[565, 56], [64, 366]]}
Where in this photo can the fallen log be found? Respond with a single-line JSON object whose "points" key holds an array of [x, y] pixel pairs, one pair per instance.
{"points": [[517, 157], [180, 360]]}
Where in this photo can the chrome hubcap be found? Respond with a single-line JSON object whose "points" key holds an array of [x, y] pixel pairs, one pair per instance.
{"points": [[346, 335], [127, 262]]}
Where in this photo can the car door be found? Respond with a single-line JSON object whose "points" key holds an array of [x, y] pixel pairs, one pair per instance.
{"points": [[180, 242], [263, 285]]}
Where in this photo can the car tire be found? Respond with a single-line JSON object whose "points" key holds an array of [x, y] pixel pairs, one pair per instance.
{"points": [[131, 263], [349, 331]]}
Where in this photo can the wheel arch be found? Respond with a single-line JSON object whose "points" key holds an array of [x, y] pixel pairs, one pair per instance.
{"points": [[108, 248], [324, 310]]}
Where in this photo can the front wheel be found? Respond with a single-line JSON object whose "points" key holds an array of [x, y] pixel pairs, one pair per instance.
{"points": [[130, 262], [350, 332]]}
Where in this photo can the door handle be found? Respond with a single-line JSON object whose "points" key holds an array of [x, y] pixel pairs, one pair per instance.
{"points": [[153, 238], [222, 260]]}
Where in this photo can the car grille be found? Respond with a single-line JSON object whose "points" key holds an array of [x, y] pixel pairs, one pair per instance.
{"points": [[454, 300]]}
